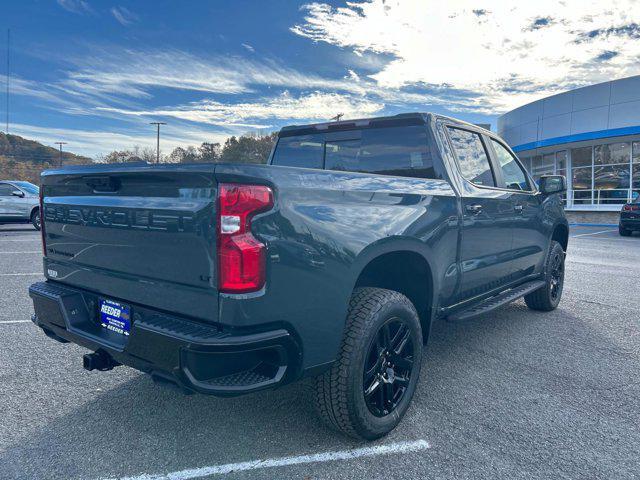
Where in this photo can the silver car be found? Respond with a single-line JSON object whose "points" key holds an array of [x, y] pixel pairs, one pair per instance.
{"points": [[19, 202]]}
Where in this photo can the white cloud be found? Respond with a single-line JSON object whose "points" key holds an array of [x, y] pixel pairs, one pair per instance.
{"points": [[353, 76], [248, 47], [75, 6], [124, 16], [504, 53], [135, 72], [316, 106]]}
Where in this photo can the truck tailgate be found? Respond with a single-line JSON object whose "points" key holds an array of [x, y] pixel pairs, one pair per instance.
{"points": [[139, 234]]}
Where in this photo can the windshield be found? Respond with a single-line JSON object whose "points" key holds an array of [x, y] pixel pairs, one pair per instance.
{"points": [[28, 187]]}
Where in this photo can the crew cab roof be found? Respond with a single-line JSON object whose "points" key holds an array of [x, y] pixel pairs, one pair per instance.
{"points": [[388, 121], [401, 119]]}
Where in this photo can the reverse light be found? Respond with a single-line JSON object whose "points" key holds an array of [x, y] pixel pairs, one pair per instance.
{"points": [[241, 257]]}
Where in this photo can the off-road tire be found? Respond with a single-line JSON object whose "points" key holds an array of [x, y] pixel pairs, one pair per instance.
{"points": [[543, 298], [339, 394]]}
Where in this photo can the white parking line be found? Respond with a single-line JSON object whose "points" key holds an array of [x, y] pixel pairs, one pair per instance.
{"points": [[24, 239], [593, 233], [401, 447], [30, 251], [6, 322], [20, 274]]}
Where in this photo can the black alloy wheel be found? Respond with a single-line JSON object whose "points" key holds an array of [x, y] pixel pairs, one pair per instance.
{"points": [[556, 274], [388, 367]]}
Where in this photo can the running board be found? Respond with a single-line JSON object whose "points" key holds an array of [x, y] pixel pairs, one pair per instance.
{"points": [[497, 301]]}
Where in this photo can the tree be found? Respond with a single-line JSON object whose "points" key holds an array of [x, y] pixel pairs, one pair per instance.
{"points": [[120, 156], [149, 155], [210, 152], [178, 155], [184, 155], [248, 148]]}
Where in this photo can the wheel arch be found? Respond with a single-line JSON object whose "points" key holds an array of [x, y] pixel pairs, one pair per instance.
{"points": [[561, 235], [404, 267]]}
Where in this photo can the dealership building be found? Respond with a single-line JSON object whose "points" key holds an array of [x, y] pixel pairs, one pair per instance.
{"points": [[591, 135]]}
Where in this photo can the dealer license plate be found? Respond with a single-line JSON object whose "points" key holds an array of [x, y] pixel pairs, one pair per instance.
{"points": [[115, 316]]}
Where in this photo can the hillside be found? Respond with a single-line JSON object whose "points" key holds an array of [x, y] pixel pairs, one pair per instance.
{"points": [[24, 159]]}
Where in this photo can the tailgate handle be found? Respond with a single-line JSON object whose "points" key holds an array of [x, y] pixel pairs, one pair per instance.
{"points": [[103, 184]]}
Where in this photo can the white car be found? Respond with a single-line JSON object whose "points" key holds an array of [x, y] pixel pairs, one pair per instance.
{"points": [[19, 202]]}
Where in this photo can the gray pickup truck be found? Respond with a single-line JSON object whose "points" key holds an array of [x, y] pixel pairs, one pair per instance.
{"points": [[19, 203], [331, 262]]}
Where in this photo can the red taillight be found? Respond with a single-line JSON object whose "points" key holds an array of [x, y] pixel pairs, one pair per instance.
{"points": [[41, 213], [629, 208], [241, 257]]}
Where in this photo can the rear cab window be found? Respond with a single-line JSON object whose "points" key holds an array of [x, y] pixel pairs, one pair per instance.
{"points": [[304, 151], [397, 151]]}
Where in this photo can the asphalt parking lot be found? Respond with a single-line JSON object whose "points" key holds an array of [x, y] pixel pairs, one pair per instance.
{"points": [[514, 394]]}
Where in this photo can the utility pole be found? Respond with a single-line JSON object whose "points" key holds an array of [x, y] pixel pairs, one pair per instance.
{"points": [[60, 143], [8, 51], [337, 117], [158, 140]]}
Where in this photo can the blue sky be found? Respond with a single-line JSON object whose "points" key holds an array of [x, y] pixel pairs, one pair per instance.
{"points": [[94, 74]]}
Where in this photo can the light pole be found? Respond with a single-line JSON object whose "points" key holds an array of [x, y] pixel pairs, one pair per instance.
{"points": [[60, 143], [8, 75], [158, 140]]}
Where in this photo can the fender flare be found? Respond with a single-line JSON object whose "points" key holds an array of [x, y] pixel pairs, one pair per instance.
{"points": [[399, 244]]}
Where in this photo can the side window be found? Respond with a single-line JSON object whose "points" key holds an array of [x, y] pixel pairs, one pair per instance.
{"points": [[472, 157], [299, 151], [397, 151], [6, 189], [514, 176]]}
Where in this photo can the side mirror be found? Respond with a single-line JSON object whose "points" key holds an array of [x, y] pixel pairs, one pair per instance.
{"points": [[550, 184], [17, 193]]}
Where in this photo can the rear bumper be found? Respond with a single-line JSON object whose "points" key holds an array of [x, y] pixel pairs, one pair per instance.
{"points": [[192, 355], [630, 223]]}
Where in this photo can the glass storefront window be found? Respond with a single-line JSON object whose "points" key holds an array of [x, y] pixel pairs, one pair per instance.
{"points": [[611, 176], [605, 174], [536, 162], [526, 161], [611, 153], [582, 197], [636, 152], [549, 160], [581, 178], [609, 197], [611, 184], [561, 160], [542, 165], [581, 157]]}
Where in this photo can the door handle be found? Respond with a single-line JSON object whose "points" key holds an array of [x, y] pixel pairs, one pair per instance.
{"points": [[476, 209], [518, 208]]}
